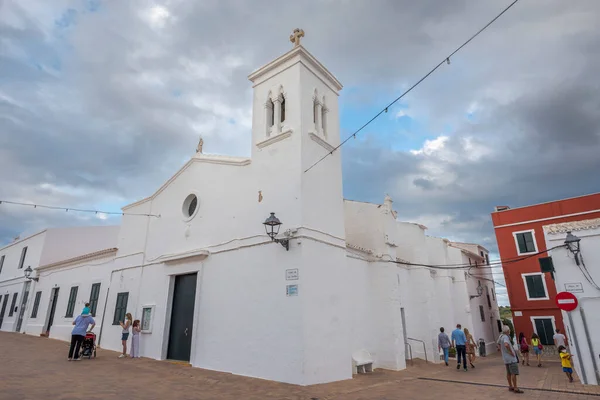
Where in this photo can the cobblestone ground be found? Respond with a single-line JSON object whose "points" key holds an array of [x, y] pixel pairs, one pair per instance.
{"points": [[36, 368]]}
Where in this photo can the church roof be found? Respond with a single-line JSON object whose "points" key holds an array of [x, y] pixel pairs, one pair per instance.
{"points": [[198, 158]]}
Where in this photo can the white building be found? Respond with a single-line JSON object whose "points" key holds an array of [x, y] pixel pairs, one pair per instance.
{"points": [[211, 288], [43, 248], [582, 278]]}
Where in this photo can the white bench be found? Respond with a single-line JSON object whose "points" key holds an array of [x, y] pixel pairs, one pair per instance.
{"points": [[363, 362]]}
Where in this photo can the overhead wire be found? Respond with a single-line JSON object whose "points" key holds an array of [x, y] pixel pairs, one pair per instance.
{"points": [[385, 110], [67, 209], [466, 266]]}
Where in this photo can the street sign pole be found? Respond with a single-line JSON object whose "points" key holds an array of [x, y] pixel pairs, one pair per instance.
{"points": [[574, 340]]}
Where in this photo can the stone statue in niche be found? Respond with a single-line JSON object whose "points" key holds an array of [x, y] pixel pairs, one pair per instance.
{"points": [[200, 144]]}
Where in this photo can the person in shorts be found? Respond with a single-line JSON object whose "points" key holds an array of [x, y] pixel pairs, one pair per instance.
{"points": [[511, 362], [126, 324], [565, 360]]}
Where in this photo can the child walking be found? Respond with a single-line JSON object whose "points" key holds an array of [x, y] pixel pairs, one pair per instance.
{"points": [[565, 360], [135, 339]]}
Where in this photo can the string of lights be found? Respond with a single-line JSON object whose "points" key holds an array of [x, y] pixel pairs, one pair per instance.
{"points": [[468, 266], [385, 110], [67, 209]]}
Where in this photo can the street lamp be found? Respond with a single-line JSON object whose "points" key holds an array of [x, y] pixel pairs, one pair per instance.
{"points": [[28, 272], [479, 291], [572, 243], [272, 225]]}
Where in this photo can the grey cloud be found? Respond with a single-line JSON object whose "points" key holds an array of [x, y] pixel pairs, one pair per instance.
{"points": [[98, 114], [424, 183]]}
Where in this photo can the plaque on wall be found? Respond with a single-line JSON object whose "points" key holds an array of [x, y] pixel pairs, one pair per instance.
{"points": [[291, 290]]}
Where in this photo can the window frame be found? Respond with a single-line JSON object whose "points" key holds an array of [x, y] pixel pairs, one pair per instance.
{"points": [[36, 304], [481, 313], [2, 262], [116, 319], [535, 245], [94, 302], [72, 301], [543, 277], [152, 308]]}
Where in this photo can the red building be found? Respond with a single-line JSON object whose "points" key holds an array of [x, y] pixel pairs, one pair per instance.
{"points": [[519, 234]]}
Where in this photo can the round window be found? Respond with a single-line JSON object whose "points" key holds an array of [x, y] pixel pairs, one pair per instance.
{"points": [[190, 205]]}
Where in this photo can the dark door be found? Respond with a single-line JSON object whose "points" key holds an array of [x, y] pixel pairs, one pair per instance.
{"points": [[3, 309], [182, 318], [53, 301], [543, 326]]}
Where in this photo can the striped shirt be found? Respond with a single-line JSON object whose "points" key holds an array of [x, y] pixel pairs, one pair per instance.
{"points": [[443, 340]]}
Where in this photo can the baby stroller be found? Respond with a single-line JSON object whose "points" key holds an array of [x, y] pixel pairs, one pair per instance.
{"points": [[89, 345]]}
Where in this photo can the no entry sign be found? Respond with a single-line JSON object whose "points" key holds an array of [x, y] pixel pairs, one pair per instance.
{"points": [[566, 301]]}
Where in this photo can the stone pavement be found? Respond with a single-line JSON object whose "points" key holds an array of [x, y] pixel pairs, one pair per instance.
{"points": [[36, 368]]}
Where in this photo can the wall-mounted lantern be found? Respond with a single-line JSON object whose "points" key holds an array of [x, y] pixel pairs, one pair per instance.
{"points": [[272, 225], [479, 291], [572, 243], [28, 272]]}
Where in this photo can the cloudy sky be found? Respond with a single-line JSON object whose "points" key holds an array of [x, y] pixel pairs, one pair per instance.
{"points": [[101, 101]]}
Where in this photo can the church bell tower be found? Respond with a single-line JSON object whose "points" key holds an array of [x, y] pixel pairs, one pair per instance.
{"points": [[295, 124]]}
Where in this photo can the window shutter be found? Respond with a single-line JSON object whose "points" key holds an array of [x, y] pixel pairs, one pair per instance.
{"points": [[23, 254], [529, 244], [535, 286], [521, 242], [36, 304]]}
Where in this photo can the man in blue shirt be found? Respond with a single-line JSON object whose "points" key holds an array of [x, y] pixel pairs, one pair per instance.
{"points": [[459, 342]]}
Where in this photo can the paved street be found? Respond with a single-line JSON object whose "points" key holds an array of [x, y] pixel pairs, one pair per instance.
{"points": [[36, 368]]}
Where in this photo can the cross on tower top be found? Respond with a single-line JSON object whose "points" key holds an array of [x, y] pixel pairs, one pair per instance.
{"points": [[295, 37]]}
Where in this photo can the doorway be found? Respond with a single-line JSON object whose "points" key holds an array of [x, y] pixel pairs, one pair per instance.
{"points": [[182, 318], [3, 311], [52, 309], [545, 330], [23, 305]]}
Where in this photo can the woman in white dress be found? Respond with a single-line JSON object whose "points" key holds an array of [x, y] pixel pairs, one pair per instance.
{"points": [[135, 339]]}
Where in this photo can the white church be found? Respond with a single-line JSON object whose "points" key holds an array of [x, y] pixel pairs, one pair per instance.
{"points": [[337, 283]]}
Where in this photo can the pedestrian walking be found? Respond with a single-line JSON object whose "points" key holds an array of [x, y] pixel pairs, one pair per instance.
{"points": [[470, 347], [559, 339], [78, 333], [444, 344], [511, 362], [537, 348], [524, 347], [459, 342]]}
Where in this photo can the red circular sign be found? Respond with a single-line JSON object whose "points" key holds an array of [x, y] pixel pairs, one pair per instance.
{"points": [[566, 301]]}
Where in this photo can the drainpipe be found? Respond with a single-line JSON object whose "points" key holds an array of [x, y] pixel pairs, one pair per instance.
{"points": [[104, 310], [589, 342]]}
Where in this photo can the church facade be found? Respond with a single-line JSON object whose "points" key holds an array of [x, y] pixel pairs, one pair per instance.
{"points": [[213, 289]]}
